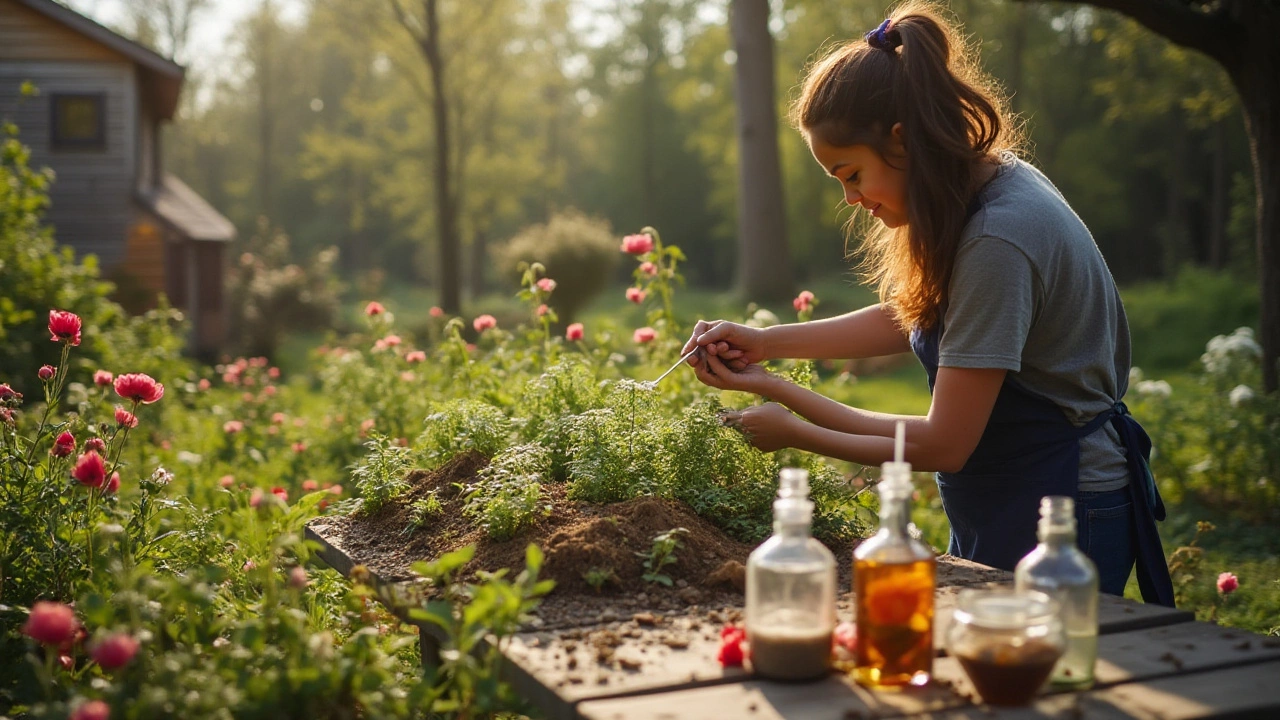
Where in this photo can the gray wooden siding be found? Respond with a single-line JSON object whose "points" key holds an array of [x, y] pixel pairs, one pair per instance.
{"points": [[92, 197]]}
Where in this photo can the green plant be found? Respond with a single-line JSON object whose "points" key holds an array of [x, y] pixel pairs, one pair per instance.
{"points": [[461, 425], [422, 511], [661, 554], [507, 494], [380, 476], [598, 577], [579, 252]]}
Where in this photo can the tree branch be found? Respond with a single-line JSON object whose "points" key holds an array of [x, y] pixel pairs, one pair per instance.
{"points": [[1209, 33]]}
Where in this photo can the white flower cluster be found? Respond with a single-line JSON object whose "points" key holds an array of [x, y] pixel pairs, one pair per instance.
{"points": [[1224, 350], [1154, 388], [762, 318], [1240, 395]]}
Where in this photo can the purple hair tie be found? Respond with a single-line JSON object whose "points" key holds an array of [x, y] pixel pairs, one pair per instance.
{"points": [[880, 40]]}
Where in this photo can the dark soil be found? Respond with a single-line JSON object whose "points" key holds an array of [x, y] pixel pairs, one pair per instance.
{"points": [[575, 537]]}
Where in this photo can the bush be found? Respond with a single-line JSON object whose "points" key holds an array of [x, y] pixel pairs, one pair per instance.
{"points": [[1169, 319], [272, 295], [578, 252]]}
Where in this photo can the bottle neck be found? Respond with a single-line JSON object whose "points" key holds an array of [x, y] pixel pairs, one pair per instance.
{"points": [[791, 529], [895, 514], [1058, 538]]}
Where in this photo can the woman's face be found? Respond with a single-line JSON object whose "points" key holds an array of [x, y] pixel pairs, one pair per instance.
{"points": [[867, 179]]}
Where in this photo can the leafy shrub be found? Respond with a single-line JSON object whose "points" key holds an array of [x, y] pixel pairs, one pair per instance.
{"points": [[578, 252], [380, 477], [507, 494], [271, 295], [461, 425], [1169, 320]]}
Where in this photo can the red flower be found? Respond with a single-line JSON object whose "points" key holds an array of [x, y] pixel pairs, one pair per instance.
{"points": [[115, 651], [51, 623], [8, 393], [636, 295], [644, 335], [204, 384], [803, 301], [1227, 583], [92, 710], [484, 322], [113, 485], [731, 653], [280, 493], [546, 285], [96, 444], [126, 419], [574, 332], [637, 244], [64, 445], [66, 662], [90, 470], [648, 268], [374, 309], [310, 485], [436, 312], [415, 356], [543, 310], [103, 378], [46, 372], [139, 387], [64, 325], [231, 427]]}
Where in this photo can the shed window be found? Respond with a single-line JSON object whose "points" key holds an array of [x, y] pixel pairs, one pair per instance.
{"points": [[79, 122]]}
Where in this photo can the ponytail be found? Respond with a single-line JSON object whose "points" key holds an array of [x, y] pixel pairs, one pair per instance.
{"points": [[913, 69]]}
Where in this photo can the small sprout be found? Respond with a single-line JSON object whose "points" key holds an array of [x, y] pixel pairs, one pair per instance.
{"points": [[598, 577], [661, 554]]}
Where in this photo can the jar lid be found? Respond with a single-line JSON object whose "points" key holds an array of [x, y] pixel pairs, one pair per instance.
{"points": [[1004, 608]]}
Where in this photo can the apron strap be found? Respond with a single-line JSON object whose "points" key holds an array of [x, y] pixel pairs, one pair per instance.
{"points": [[1148, 507]]}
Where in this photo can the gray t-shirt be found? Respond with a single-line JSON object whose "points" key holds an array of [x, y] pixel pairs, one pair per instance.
{"points": [[1031, 293]]}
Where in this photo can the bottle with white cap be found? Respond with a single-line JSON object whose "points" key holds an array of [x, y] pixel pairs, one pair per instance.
{"points": [[791, 590], [894, 576]]}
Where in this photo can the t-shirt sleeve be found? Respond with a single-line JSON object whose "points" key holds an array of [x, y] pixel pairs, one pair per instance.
{"points": [[993, 299]]}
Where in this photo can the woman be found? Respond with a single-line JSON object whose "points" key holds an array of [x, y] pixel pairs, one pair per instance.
{"points": [[986, 273]]}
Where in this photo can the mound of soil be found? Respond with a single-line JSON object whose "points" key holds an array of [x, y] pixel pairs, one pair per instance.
{"points": [[575, 537]]}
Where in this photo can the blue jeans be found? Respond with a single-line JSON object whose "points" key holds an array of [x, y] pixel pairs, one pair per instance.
{"points": [[1106, 533]]}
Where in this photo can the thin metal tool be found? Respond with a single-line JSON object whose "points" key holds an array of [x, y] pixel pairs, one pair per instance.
{"points": [[679, 362]]}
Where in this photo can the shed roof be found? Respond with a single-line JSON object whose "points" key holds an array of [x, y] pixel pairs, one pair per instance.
{"points": [[166, 75], [179, 207]]}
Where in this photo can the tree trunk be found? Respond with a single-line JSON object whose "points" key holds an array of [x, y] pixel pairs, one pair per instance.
{"points": [[764, 265], [1017, 49], [450, 270]]}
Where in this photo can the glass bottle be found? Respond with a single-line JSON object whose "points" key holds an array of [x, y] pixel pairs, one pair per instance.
{"points": [[894, 577], [1058, 568], [791, 590]]}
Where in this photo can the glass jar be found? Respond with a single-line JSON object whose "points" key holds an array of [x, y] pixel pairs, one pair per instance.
{"points": [[791, 591], [1007, 641]]}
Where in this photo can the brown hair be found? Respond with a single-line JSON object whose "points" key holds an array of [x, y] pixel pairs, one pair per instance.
{"points": [[921, 74]]}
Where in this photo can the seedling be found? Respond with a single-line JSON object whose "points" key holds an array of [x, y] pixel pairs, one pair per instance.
{"points": [[421, 511], [598, 577], [661, 554]]}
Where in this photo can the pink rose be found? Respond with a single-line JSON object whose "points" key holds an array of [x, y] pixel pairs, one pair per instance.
{"points": [[227, 481], [139, 387], [574, 332], [231, 427], [636, 295], [90, 470], [648, 268], [415, 356], [92, 710], [803, 301], [374, 309], [543, 310], [64, 445], [103, 378], [51, 623], [484, 322], [436, 312], [64, 325], [125, 419], [46, 372], [546, 285], [1227, 583], [96, 444], [644, 335], [115, 651], [637, 244], [113, 485], [310, 485]]}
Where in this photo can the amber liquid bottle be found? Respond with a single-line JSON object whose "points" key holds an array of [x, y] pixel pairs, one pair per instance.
{"points": [[894, 577]]}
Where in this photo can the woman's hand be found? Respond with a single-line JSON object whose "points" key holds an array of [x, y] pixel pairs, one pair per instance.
{"points": [[767, 427], [751, 378], [737, 346]]}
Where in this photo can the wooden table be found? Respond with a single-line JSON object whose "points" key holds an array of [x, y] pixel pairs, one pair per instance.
{"points": [[1153, 662]]}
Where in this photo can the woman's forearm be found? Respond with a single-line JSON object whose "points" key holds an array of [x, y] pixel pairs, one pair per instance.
{"points": [[869, 332], [827, 413]]}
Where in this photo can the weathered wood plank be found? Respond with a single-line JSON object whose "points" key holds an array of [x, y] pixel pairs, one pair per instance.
{"points": [[1251, 691], [1148, 654]]}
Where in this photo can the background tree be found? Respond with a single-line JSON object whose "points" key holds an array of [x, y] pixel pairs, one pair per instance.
{"points": [[1241, 36]]}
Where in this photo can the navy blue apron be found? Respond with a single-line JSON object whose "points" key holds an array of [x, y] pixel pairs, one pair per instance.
{"points": [[1029, 450]]}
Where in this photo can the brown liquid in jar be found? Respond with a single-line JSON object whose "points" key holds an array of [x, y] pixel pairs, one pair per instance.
{"points": [[791, 655], [1007, 675]]}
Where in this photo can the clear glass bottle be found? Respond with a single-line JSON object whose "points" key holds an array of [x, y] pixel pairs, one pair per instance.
{"points": [[1058, 568], [791, 590], [894, 577]]}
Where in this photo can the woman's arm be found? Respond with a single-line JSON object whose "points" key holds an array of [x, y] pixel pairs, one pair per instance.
{"points": [[942, 440], [869, 332]]}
